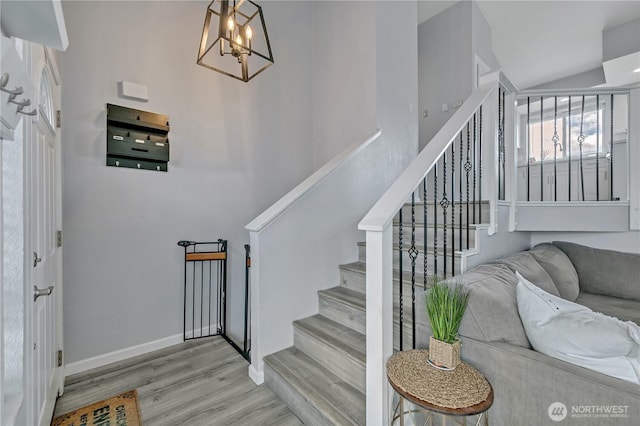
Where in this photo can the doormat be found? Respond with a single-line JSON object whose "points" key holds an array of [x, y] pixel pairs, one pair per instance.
{"points": [[120, 410]]}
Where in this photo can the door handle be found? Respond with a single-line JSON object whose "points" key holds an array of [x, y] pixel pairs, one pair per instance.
{"points": [[36, 259], [37, 292]]}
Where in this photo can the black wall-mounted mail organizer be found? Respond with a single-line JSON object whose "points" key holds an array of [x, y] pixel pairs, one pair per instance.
{"points": [[137, 139]]}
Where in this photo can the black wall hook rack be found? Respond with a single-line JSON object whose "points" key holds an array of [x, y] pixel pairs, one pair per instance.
{"points": [[137, 139]]}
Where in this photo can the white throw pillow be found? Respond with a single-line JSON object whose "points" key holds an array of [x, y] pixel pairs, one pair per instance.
{"points": [[575, 334]]}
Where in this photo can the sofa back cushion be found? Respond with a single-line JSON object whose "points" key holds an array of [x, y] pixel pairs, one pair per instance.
{"points": [[607, 272], [528, 266], [559, 268], [492, 312]]}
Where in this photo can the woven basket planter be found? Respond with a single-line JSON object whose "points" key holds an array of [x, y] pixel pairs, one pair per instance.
{"points": [[446, 355]]}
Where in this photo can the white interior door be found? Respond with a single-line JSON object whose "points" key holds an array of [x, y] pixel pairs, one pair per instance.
{"points": [[44, 286]]}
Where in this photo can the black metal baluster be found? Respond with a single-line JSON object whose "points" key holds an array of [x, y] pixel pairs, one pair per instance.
{"points": [[219, 300], [184, 297], [581, 139], [223, 277], [193, 302], [223, 267], [597, 147], [503, 150], [444, 203], [400, 301], [467, 169], [499, 143], [413, 254], [475, 168], [541, 149], [569, 151], [460, 168], [424, 231], [611, 154], [435, 219], [210, 275], [479, 165], [453, 209], [201, 296], [556, 143]]}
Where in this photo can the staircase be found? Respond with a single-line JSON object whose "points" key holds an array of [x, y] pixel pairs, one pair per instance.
{"points": [[322, 376]]}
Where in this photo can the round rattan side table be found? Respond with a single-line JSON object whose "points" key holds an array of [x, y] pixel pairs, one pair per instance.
{"points": [[461, 392]]}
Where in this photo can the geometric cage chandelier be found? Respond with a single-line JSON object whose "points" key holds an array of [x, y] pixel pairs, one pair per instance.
{"points": [[240, 46]]}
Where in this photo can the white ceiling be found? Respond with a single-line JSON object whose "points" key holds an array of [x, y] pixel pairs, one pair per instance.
{"points": [[541, 41]]}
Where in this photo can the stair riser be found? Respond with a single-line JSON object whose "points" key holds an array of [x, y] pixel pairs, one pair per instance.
{"points": [[437, 232], [419, 214], [356, 280], [296, 402], [344, 314], [419, 263], [355, 318], [348, 369], [422, 335]]}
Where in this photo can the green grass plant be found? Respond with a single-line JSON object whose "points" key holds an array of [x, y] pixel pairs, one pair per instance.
{"points": [[446, 304]]}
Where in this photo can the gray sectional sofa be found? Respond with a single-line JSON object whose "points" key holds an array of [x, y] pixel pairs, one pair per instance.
{"points": [[526, 383]]}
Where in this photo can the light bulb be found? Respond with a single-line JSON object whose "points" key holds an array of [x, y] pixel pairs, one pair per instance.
{"points": [[230, 24], [248, 32], [239, 40]]}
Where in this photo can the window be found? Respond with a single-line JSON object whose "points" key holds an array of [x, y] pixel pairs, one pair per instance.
{"points": [[557, 132], [46, 101]]}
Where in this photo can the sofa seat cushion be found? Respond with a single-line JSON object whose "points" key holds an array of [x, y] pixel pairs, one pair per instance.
{"points": [[492, 311], [528, 266], [574, 333], [625, 310], [559, 268], [606, 272]]}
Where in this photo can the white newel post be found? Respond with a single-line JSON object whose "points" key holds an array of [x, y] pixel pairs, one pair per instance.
{"points": [[491, 159], [511, 138], [256, 368], [379, 322], [633, 139]]}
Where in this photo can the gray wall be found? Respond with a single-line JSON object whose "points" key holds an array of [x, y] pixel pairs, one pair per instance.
{"points": [[481, 38], [236, 148], [621, 40], [397, 81], [585, 79], [447, 46], [344, 76], [445, 66]]}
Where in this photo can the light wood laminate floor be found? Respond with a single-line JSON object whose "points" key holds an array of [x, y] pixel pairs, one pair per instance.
{"points": [[200, 382]]}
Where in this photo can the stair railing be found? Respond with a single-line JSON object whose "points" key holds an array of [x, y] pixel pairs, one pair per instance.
{"points": [[572, 144], [297, 242], [448, 176]]}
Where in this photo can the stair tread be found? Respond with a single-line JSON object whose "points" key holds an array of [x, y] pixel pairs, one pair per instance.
{"points": [[361, 268], [355, 266], [338, 401], [431, 203], [406, 223], [336, 335], [347, 296]]}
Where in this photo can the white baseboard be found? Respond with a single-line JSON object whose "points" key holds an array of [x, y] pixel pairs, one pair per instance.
{"points": [[255, 375], [121, 354]]}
